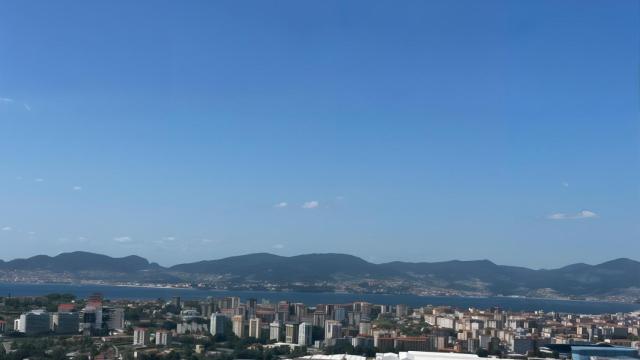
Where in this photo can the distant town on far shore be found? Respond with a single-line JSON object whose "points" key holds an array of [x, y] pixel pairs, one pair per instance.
{"points": [[615, 280]]}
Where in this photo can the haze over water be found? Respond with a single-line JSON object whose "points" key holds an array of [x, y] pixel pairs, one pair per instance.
{"points": [[148, 293]]}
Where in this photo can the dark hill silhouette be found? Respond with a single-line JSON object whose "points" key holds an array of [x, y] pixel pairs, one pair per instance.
{"points": [[608, 278]]}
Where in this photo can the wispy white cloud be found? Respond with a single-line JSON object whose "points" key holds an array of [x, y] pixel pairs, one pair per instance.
{"points": [[122, 239], [164, 240], [278, 246], [77, 188], [280, 205], [7, 100], [38, 180], [7, 228], [565, 184], [311, 204], [583, 214]]}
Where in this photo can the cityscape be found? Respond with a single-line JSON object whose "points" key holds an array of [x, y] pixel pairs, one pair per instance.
{"points": [[320, 180], [61, 326]]}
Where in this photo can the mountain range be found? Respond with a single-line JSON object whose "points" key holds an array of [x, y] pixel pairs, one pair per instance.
{"points": [[619, 277]]}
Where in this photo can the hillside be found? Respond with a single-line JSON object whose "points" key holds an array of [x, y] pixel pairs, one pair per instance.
{"points": [[615, 277]]}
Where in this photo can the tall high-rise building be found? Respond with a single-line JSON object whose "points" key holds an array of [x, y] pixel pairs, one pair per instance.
{"points": [[332, 329], [217, 324], [224, 303], [65, 323], [235, 301], [401, 310], [291, 333], [252, 303], [207, 308], [34, 322], [238, 325], [282, 311], [254, 327], [229, 302], [91, 318], [318, 318], [304, 334], [114, 317], [163, 338], [251, 308], [140, 337], [364, 328], [327, 309], [177, 302], [365, 342], [362, 307], [274, 331], [300, 310]]}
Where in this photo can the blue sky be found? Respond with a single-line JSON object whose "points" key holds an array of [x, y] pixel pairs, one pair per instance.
{"points": [[415, 130]]}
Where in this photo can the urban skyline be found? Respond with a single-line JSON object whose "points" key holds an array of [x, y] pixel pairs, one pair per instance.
{"points": [[230, 327]]}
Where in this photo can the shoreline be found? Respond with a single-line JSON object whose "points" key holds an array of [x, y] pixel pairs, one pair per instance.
{"points": [[184, 288]]}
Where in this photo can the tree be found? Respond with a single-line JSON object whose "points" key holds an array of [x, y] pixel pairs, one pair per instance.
{"points": [[364, 351], [299, 352], [58, 353], [482, 353], [172, 356], [169, 325]]}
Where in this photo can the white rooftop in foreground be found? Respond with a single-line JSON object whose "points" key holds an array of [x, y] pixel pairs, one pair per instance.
{"points": [[334, 357], [278, 344], [424, 355], [409, 355]]}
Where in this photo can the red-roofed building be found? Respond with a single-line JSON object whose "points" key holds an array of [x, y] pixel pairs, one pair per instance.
{"points": [[66, 307]]}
